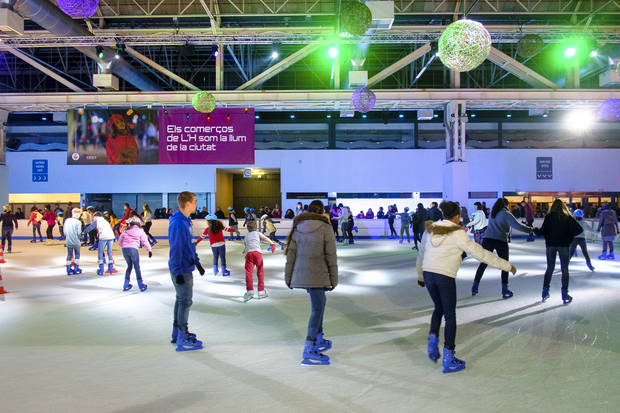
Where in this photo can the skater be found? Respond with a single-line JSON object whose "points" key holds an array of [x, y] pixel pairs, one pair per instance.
{"points": [[417, 224], [72, 230], [346, 224], [181, 263], [60, 221], [9, 223], [233, 223], [496, 238], [35, 217], [608, 227], [334, 213], [580, 239], [478, 223], [390, 218], [437, 264], [106, 239], [249, 216], [130, 241], [312, 264], [405, 221], [528, 214], [148, 222], [50, 217], [559, 228], [271, 230], [215, 233], [434, 213], [254, 257]]}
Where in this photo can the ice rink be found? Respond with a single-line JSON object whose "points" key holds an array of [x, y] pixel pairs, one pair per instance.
{"points": [[81, 344]]}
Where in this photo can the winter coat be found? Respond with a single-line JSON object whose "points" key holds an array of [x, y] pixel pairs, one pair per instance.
{"points": [[559, 229], [434, 214], [418, 220], [608, 223], [72, 229], [50, 218], [232, 219], [269, 227], [8, 219], [529, 212], [103, 228], [133, 237], [442, 247], [478, 221], [380, 214], [499, 226], [35, 218], [311, 260], [183, 258], [405, 219]]}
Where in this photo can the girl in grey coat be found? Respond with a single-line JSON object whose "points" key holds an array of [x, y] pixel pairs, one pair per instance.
{"points": [[311, 264]]}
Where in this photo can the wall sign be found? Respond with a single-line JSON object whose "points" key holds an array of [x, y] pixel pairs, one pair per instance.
{"points": [[39, 170], [544, 167]]}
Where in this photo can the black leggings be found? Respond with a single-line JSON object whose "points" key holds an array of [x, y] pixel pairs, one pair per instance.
{"points": [[147, 228], [442, 290], [501, 247], [335, 227], [392, 230], [584, 249], [49, 231], [551, 253]]}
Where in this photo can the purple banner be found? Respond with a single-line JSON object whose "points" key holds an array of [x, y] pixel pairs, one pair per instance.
{"points": [[224, 136]]}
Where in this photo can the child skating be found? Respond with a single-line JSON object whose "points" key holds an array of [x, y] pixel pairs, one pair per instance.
{"points": [[130, 241], [270, 229], [72, 230], [106, 239], [253, 257], [580, 239], [215, 233]]}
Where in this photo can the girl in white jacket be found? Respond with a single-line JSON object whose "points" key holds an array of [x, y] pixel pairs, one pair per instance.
{"points": [[438, 261]]}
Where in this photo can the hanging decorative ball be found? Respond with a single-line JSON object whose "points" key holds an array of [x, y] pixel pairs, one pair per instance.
{"points": [[610, 109], [363, 99], [79, 8], [464, 45], [530, 45], [618, 68], [356, 18], [203, 102]]}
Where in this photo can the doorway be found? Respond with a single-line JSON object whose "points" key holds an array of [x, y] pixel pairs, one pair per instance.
{"points": [[261, 189]]}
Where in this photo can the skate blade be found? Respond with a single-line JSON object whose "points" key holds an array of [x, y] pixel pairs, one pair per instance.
{"points": [[454, 370], [192, 348], [310, 363]]}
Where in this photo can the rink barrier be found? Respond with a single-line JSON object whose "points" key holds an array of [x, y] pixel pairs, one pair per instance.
{"points": [[367, 229]]}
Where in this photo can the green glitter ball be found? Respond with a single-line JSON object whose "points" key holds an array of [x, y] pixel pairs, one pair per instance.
{"points": [[356, 18], [464, 45], [203, 102]]}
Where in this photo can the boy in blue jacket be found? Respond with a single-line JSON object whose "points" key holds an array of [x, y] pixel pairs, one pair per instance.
{"points": [[182, 260]]}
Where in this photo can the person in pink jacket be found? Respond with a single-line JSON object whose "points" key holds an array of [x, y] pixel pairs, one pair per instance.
{"points": [[50, 218], [130, 241]]}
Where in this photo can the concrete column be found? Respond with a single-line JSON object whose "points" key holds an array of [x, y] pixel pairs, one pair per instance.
{"points": [[456, 183], [4, 170]]}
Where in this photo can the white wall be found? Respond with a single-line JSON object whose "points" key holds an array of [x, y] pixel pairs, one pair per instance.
{"points": [[336, 171]]}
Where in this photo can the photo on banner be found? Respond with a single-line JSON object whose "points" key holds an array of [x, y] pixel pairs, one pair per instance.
{"points": [[102, 136]]}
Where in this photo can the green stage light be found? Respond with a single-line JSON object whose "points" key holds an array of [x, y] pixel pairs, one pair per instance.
{"points": [[332, 52], [570, 52]]}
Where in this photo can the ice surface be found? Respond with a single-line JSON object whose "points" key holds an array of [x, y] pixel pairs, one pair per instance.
{"points": [[81, 344]]}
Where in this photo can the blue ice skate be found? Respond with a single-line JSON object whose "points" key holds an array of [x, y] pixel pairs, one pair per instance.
{"points": [[127, 286], [433, 349], [100, 270], [322, 344], [142, 286], [215, 270], [225, 272], [545, 294], [312, 357], [566, 299], [186, 342], [506, 293], [450, 363]]}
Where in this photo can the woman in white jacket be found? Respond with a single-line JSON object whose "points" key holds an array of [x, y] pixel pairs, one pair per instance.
{"points": [[478, 223], [438, 261]]}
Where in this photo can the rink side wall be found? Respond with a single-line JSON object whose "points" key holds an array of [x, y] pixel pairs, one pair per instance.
{"points": [[492, 170]]}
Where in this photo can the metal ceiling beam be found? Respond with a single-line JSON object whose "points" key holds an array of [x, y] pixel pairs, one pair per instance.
{"points": [[280, 66], [42, 68], [160, 68], [520, 70], [395, 67], [321, 100]]}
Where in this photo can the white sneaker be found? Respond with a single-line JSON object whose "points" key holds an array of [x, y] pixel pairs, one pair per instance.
{"points": [[262, 294], [248, 296]]}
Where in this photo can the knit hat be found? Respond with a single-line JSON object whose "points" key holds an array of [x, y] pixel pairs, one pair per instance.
{"points": [[230, 208], [211, 217], [406, 209], [246, 209], [264, 216], [133, 221], [578, 213]]}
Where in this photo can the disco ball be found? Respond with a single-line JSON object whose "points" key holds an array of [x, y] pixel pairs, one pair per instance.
{"points": [[610, 109], [79, 8], [530, 45], [464, 45], [363, 99], [203, 102], [356, 18]]}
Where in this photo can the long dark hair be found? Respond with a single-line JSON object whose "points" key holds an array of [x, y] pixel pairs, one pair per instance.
{"points": [[215, 226], [500, 204], [559, 207]]}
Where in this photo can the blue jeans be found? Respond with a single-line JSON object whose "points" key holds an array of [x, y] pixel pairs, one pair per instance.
{"points": [[317, 301], [103, 243], [132, 257], [37, 228], [442, 290], [183, 300], [219, 252], [7, 234], [70, 253]]}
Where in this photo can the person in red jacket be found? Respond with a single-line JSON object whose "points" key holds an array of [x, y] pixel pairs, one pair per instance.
{"points": [[121, 146], [215, 233]]}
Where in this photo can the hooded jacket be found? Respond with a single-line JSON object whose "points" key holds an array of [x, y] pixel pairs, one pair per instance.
{"points": [[311, 260], [103, 228], [133, 237], [499, 227], [183, 258], [443, 244], [73, 231], [608, 223]]}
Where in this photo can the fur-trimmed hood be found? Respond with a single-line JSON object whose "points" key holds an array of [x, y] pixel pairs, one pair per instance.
{"points": [[440, 230]]}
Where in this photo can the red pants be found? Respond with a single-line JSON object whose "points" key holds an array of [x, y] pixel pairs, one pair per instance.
{"points": [[253, 258]]}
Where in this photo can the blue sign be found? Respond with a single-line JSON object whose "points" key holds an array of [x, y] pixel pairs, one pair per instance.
{"points": [[39, 170], [544, 167]]}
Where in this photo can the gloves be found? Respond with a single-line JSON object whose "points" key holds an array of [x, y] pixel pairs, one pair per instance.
{"points": [[421, 283], [200, 269], [180, 279], [330, 288], [150, 254]]}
